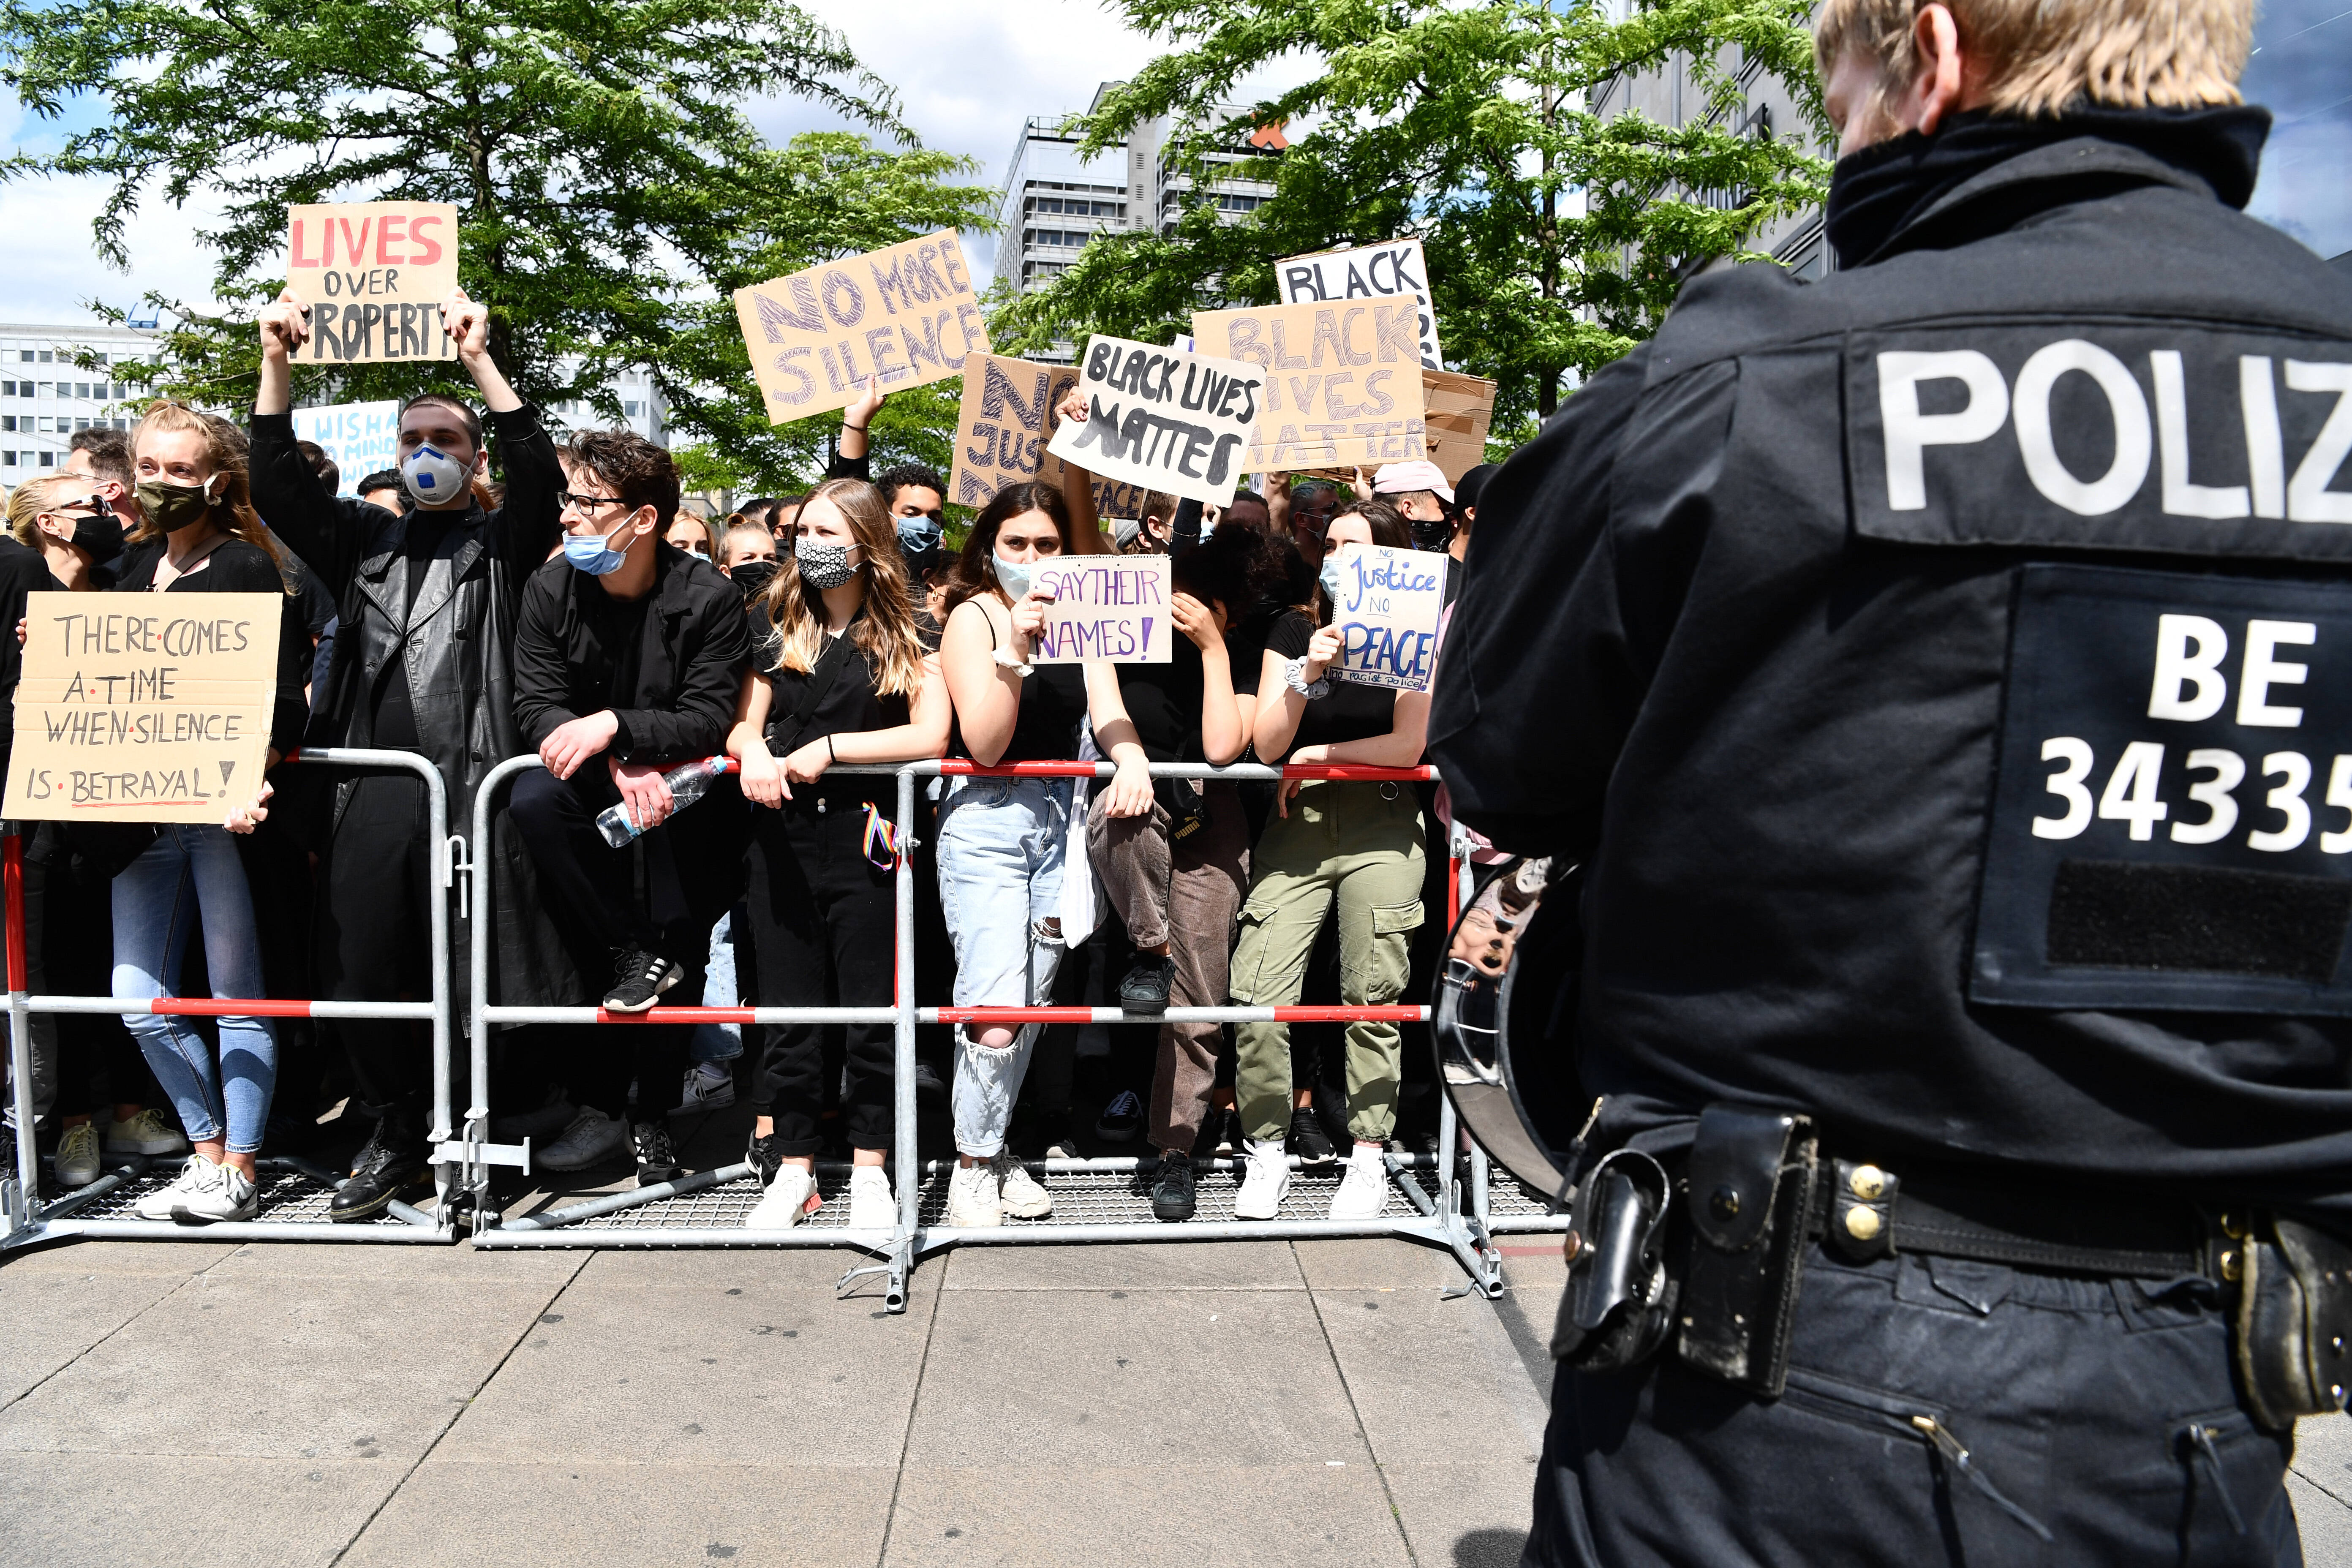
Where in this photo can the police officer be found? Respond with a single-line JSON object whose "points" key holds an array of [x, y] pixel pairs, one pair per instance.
{"points": [[1942, 677]]}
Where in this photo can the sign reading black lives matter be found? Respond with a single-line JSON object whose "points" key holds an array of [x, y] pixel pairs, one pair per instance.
{"points": [[1163, 418], [1390, 272], [154, 711]]}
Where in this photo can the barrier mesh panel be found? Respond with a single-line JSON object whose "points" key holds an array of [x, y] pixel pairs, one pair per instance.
{"points": [[1079, 1198], [1509, 1197], [286, 1197]]}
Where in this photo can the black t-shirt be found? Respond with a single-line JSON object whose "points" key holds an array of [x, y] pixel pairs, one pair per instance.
{"points": [[853, 701], [1349, 711]]}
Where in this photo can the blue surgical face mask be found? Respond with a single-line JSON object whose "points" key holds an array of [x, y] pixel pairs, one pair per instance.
{"points": [[1013, 576], [593, 555], [919, 533], [1330, 577]]}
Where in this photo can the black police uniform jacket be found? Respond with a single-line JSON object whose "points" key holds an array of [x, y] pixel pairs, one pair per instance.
{"points": [[457, 640], [1945, 672]]}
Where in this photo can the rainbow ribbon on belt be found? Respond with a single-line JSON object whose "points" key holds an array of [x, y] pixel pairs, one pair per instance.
{"points": [[885, 840]]}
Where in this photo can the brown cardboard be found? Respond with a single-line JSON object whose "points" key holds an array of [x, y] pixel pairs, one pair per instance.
{"points": [[1459, 410], [1343, 383], [905, 315], [374, 275]]}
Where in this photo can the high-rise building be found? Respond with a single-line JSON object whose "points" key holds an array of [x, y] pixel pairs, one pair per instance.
{"points": [[55, 381]]}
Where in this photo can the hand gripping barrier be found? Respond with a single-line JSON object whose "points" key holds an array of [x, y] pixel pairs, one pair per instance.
{"points": [[293, 1204], [707, 1208]]}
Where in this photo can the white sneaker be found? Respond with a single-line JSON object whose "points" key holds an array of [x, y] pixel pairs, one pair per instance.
{"points": [[974, 1202], [192, 1176], [710, 1085], [145, 1133], [226, 1193], [1364, 1190], [1266, 1183], [872, 1205], [77, 1163], [1017, 1190], [592, 1138], [784, 1203]]}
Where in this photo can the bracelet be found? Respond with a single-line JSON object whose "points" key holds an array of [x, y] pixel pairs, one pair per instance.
{"points": [[830, 754], [854, 430], [1005, 657], [1294, 671]]}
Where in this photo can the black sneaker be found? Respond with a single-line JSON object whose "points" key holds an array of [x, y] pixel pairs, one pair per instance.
{"points": [[1122, 1119], [638, 977], [765, 1157], [1144, 991], [656, 1157], [1308, 1139], [393, 1160], [1171, 1190]]}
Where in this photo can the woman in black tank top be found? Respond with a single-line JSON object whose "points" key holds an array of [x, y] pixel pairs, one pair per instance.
{"points": [[840, 676]]}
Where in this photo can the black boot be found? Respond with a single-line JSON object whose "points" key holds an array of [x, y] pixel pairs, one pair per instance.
{"points": [[394, 1158]]}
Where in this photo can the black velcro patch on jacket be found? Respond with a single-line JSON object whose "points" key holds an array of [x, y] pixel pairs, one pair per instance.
{"points": [[2117, 914]]}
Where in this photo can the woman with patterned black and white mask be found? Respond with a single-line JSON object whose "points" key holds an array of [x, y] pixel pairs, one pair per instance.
{"points": [[840, 676]]}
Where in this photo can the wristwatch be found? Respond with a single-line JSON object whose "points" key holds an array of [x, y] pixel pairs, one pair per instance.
{"points": [[1294, 671]]}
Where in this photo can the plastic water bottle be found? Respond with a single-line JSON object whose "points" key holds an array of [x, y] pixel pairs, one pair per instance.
{"points": [[688, 782]]}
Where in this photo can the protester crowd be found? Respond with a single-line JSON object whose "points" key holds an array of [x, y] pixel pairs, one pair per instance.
{"points": [[693, 686]]}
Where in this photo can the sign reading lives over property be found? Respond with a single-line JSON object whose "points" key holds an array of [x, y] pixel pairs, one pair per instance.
{"points": [[901, 316], [145, 707], [374, 275], [1342, 381], [359, 438], [1390, 272], [1387, 611], [1163, 418], [1105, 606]]}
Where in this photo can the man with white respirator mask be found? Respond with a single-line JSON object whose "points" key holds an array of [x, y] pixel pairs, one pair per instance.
{"points": [[423, 663]]}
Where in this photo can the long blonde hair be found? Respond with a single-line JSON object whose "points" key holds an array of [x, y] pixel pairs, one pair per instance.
{"points": [[232, 507], [885, 631]]}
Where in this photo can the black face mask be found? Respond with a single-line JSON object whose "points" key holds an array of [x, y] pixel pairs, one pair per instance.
{"points": [[100, 535], [1429, 533], [753, 577]]}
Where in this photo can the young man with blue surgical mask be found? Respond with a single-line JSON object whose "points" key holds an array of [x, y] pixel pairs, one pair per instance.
{"points": [[427, 593], [629, 655]]}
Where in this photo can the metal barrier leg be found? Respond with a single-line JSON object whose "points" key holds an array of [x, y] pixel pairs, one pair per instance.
{"points": [[20, 1193], [904, 1156]]}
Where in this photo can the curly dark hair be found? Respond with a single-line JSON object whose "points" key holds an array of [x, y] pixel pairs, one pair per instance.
{"points": [[891, 481], [630, 467]]}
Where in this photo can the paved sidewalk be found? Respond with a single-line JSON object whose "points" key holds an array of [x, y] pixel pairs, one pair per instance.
{"points": [[1226, 1404]]}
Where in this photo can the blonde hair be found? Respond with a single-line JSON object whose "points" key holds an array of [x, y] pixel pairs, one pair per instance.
{"points": [[31, 499], [232, 507], [885, 631], [2043, 56]]}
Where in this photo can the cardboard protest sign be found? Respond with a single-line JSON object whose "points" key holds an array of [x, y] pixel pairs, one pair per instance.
{"points": [[1458, 410], [148, 709], [1343, 381], [1007, 418], [1387, 611], [903, 316], [360, 439], [1391, 271], [1163, 418], [374, 275], [1105, 606]]}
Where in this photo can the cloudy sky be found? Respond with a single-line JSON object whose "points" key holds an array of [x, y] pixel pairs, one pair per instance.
{"points": [[968, 75]]}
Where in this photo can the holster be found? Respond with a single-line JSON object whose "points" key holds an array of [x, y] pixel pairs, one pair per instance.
{"points": [[1619, 1300], [1751, 1188], [2294, 1320]]}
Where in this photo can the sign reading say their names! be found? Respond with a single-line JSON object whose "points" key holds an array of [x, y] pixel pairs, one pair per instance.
{"points": [[901, 316], [1105, 606], [1342, 381], [1390, 272], [1163, 418], [153, 707], [374, 275], [1387, 612]]}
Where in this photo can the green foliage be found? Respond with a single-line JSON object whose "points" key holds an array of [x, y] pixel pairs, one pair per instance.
{"points": [[609, 183], [1555, 238]]}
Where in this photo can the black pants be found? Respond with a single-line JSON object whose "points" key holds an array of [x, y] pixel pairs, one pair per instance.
{"points": [[93, 1063], [2102, 1408], [694, 871], [375, 931], [824, 928]]}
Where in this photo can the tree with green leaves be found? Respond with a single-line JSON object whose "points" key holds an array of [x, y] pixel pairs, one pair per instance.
{"points": [[1556, 237], [611, 192]]}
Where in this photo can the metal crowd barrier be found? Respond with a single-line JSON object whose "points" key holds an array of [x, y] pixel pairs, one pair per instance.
{"points": [[697, 1210], [293, 1192]]}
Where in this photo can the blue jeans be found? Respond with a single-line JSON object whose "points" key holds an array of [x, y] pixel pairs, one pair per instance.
{"points": [[156, 899], [719, 1042], [1001, 847]]}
